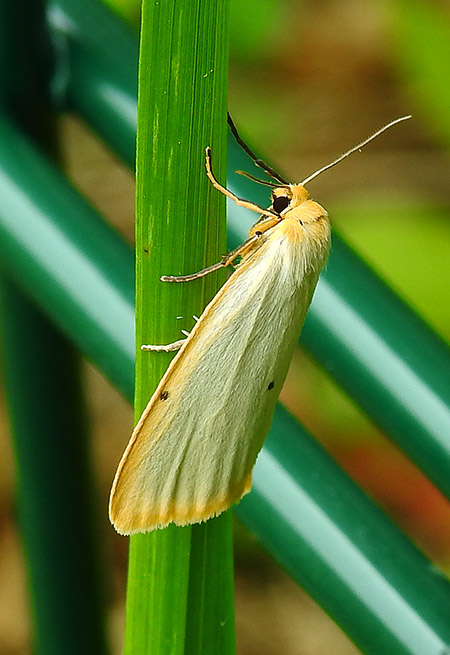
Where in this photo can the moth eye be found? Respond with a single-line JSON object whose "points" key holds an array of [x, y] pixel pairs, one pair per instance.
{"points": [[279, 203]]}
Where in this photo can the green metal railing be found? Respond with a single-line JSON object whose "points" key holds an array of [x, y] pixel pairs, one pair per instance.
{"points": [[315, 521]]}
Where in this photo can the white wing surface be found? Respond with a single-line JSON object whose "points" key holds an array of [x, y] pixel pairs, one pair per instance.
{"points": [[191, 454]]}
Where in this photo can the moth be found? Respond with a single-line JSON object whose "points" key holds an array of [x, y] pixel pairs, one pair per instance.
{"points": [[191, 455]]}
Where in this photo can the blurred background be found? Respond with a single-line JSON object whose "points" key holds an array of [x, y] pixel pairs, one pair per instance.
{"points": [[308, 80]]}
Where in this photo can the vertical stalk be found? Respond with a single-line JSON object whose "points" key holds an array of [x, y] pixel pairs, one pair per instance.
{"points": [[180, 584]]}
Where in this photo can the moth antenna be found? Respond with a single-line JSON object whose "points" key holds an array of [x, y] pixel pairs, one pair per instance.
{"points": [[256, 179], [258, 162], [354, 149]]}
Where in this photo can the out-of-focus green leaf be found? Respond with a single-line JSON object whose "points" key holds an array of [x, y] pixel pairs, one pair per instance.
{"points": [[421, 42]]}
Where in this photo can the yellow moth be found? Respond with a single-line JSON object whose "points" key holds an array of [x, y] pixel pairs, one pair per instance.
{"points": [[192, 452]]}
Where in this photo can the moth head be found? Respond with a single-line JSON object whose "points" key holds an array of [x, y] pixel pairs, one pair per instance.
{"points": [[287, 197]]}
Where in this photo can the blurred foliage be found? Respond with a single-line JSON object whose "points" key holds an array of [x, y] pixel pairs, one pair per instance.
{"points": [[421, 39], [129, 10], [426, 234]]}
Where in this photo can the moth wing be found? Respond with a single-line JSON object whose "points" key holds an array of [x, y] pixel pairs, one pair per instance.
{"points": [[192, 452]]}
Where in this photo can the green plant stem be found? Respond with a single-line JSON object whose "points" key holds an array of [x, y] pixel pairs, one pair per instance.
{"points": [[180, 584]]}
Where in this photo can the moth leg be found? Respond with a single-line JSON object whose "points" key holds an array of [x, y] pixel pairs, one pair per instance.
{"points": [[239, 201], [167, 348], [193, 276], [227, 260], [264, 224], [267, 220]]}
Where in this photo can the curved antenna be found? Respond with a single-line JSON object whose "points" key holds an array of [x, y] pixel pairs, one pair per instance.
{"points": [[354, 149], [259, 162]]}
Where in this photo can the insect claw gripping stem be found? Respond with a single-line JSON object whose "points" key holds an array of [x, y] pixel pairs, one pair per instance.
{"points": [[167, 348], [227, 260], [192, 276]]}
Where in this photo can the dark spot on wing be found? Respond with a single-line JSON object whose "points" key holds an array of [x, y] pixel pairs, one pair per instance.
{"points": [[271, 385], [163, 395]]}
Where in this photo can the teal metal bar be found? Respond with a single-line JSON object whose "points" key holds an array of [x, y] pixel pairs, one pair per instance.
{"points": [[54, 494], [57, 248], [42, 383], [343, 550], [97, 74], [385, 357], [284, 503]]}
